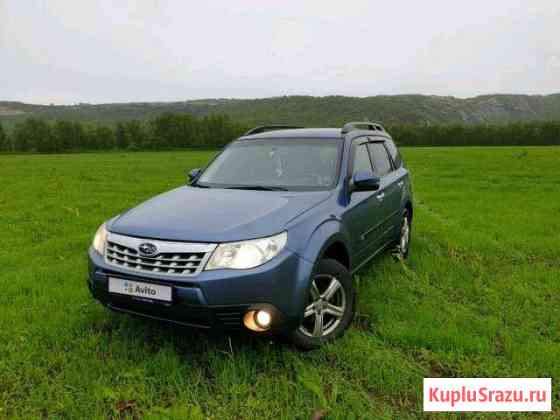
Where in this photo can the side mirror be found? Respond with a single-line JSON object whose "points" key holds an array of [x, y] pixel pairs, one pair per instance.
{"points": [[365, 181], [193, 174]]}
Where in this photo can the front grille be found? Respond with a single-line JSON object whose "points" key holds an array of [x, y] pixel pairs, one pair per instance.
{"points": [[179, 263], [172, 258]]}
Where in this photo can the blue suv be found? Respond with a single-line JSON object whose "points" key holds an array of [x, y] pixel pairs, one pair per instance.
{"points": [[265, 238]]}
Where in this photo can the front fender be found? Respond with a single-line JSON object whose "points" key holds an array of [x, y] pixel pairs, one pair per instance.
{"points": [[325, 235]]}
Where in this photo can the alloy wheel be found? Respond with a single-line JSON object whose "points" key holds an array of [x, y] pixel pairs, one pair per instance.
{"points": [[405, 236], [326, 306]]}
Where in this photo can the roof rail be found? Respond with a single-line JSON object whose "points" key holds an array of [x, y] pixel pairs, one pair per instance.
{"points": [[373, 126], [264, 128]]}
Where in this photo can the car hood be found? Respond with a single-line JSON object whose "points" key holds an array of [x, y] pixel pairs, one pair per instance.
{"points": [[214, 215]]}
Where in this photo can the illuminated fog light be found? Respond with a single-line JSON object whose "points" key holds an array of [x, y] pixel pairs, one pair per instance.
{"points": [[263, 319], [258, 321]]}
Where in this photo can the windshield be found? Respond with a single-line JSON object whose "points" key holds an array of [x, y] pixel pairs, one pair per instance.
{"points": [[291, 164]]}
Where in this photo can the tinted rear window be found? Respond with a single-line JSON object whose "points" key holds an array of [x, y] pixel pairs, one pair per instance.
{"points": [[380, 158], [394, 152]]}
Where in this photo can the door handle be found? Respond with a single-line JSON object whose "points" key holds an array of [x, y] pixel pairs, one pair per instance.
{"points": [[400, 184], [380, 196]]}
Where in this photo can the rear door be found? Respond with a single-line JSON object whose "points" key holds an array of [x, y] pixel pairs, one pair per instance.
{"points": [[389, 194], [401, 177]]}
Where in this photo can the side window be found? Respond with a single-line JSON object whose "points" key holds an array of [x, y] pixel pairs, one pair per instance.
{"points": [[381, 163], [361, 159], [394, 152]]}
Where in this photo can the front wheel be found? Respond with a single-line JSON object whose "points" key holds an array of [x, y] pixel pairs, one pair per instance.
{"points": [[329, 308]]}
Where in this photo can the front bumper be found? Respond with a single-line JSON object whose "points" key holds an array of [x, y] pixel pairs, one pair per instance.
{"points": [[216, 298]]}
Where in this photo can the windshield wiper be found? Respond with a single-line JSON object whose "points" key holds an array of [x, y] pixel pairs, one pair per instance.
{"points": [[256, 188], [197, 185]]}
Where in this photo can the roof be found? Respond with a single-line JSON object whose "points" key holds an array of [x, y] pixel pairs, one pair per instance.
{"points": [[297, 133], [308, 133]]}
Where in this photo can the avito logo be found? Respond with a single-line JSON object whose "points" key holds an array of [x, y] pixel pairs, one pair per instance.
{"points": [[145, 290]]}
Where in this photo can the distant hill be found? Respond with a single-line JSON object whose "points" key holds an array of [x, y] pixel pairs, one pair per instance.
{"points": [[312, 111]]}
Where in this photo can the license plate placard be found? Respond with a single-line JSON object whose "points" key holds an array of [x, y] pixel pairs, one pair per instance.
{"points": [[140, 289]]}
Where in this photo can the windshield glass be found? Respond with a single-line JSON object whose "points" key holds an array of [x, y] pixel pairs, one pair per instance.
{"points": [[292, 164]]}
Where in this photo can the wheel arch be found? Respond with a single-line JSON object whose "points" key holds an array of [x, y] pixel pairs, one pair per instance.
{"points": [[337, 251], [329, 241], [408, 206]]}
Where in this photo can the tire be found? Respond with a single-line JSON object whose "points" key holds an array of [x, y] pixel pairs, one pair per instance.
{"points": [[331, 298], [402, 248]]}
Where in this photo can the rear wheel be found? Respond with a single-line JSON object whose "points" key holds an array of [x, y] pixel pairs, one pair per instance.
{"points": [[329, 307], [403, 245]]}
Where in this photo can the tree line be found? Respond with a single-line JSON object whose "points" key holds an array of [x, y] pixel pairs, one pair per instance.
{"points": [[174, 131], [514, 134], [167, 131]]}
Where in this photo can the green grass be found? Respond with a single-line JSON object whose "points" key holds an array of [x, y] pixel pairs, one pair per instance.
{"points": [[480, 296]]}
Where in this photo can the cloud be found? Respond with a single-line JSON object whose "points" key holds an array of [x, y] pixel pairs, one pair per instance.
{"points": [[102, 51], [554, 62]]}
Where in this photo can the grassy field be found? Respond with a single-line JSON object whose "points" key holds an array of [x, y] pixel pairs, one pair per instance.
{"points": [[480, 296]]}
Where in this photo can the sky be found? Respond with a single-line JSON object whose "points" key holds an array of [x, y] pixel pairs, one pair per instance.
{"points": [[100, 51]]}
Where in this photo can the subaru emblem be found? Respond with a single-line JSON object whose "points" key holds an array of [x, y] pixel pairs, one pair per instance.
{"points": [[148, 249]]}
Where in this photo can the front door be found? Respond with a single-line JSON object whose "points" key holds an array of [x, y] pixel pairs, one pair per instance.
{"points": [[364, 209]]}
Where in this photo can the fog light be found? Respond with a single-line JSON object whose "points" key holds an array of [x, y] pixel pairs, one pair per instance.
{"points": [[258, 321], [263, 319]]}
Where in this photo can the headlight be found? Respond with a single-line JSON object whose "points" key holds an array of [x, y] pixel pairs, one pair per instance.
{"points": [[100, 239], [247, 254]]}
